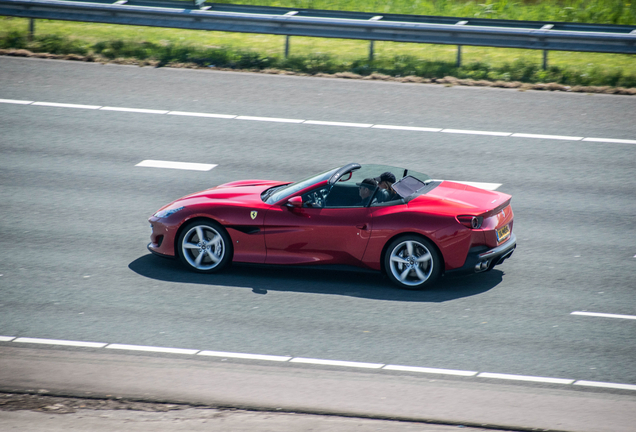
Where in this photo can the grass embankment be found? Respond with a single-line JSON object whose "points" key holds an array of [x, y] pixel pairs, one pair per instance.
{"points": [[585, 11], [347, 58]]}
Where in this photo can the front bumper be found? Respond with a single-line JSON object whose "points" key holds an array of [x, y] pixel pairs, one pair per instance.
{"points": [[152, 248], [480, 259]]}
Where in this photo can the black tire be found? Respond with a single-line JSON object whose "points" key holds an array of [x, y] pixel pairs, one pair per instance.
{"points": [[412, 262], [204, 246]]}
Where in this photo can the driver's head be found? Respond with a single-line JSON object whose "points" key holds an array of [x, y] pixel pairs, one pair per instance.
{"points": [[366, 187], [386, 180]]}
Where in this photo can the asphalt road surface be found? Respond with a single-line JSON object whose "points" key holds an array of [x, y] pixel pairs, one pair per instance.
{"points": [[74, 209]]}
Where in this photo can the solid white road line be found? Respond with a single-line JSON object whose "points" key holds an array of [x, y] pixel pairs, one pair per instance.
{"points": [[474, 132], [324, 123], [525, 378], [176, 165], [134, 110], [610, 140], [269, 119], [331, 123], [554, 137], [64, 105], [196, 114], [60, 342], [152, 349], [336, 363], [245, 356], [318, 362], [16, 102], [430, 370], [606, 385], [604, 315]]}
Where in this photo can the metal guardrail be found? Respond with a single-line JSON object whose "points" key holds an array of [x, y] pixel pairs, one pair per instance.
{"points": [[198, 15]]}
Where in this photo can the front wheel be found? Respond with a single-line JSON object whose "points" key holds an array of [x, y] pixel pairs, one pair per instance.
{"points": [[412, 262], [204, 246]]}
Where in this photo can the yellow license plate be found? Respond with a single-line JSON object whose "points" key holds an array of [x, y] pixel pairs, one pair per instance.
{"points": [[503, 233]]}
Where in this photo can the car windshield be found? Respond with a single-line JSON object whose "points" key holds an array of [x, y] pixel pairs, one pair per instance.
{"points": [[412, 180], [278, 193]]}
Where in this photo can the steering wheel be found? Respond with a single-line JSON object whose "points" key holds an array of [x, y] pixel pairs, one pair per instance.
{"points": [[318, 199]]}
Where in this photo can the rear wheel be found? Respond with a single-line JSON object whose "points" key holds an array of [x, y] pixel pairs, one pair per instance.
{"points": [[412, 262], [204, 246]]}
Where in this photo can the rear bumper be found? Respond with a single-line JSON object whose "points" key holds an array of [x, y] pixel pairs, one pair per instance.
{"points": [[480, 259]]}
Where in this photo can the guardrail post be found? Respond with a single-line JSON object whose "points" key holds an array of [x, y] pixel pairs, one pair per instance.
{"points": [[31, 28], [458, 62], [375, 18], [547, 28], [290, 14]]}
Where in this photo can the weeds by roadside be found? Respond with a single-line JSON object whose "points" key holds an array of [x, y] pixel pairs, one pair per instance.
{"points": [[597, 11], [514, 74]]}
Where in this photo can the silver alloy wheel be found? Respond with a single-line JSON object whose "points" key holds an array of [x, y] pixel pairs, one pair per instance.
{"points": [[411, 263], [203, 247]]}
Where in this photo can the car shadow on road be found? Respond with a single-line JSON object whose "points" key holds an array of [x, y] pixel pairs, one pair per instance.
{"points": [[323, 280]]}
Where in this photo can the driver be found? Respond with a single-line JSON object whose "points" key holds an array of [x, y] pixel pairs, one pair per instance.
{"points": [[366, 189]]}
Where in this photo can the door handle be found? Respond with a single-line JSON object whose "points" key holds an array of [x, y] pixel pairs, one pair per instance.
{"points": [[362, 226]]}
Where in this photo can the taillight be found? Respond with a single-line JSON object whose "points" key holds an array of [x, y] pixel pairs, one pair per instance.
{"points": [[472, 222]]}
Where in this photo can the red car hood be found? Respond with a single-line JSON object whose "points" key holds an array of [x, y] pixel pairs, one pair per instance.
{"points": [[244, 192], [239, 191], [457, 198]]}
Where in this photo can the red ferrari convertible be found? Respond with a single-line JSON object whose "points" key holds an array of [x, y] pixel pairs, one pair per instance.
{"points": [[378, 217]]}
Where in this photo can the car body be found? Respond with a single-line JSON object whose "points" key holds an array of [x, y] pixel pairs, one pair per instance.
{"points": [[428, 228]]}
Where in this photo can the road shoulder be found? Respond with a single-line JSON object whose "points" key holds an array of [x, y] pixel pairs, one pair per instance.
{"points": [[310, 390]]}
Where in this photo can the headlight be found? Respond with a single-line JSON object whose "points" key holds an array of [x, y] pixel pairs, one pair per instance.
{"points": [[166, 213]]}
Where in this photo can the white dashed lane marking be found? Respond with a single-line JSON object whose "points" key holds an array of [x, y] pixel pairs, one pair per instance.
{"points": [[60, 342], [606, 385], [134, 110], [610, 140], [525, 378], [152, 349], [322, 123], [269, 119], [475, 132], [245, 356], [323, 362], [551, 137], [196, 114], [16, 102], [208, 167], [176, 165], [332, 123], [430, 370], [63, 105], [407, 128], [487, 186], [604, 315], [336, 363]]}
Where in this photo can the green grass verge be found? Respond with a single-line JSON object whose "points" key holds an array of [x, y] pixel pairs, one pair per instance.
{"points": [[315, 55], [584, 11]]}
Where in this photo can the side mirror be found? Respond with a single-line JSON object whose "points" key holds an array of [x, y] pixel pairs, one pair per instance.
{"points": [[295, 202]]}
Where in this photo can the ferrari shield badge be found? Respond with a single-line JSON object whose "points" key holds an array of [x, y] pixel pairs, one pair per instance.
{"points": [[253, 214]]}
